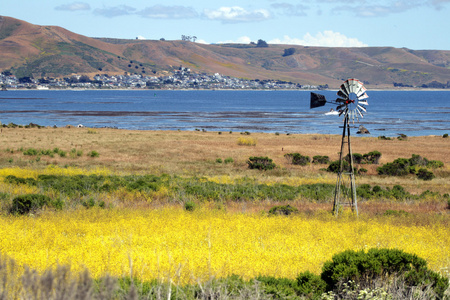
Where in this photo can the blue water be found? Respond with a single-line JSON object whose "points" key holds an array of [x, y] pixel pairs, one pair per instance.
{"points": [[389, 113]]}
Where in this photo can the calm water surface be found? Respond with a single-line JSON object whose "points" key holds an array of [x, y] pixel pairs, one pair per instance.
{"points": [[389, 113]]}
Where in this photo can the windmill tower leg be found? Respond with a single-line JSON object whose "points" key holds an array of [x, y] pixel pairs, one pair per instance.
{"points": [[345, 191]]}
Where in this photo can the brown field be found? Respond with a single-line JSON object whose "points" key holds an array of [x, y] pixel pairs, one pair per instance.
{"points": [[194, 153]]}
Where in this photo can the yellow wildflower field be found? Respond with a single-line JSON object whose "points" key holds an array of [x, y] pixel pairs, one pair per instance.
{"points": [[173, 244]]}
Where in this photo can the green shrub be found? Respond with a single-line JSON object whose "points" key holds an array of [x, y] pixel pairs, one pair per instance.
{"points": [[285, 210], [399, 167], [219, 160], [297, 159], [320, 159], [31, 152], [260, 163], [357, 158], [310, 285], [434, 164], [382, 137], [190, 205], [445, 135], [334, 166], [372, 157], [402, 137], [228, 160], [424, 174], [27, 203], [93, 153], [362, 171], [278, 288], [380, 264]]}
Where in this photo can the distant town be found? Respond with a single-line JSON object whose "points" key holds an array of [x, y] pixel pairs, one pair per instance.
{"points": [[181, 78]]}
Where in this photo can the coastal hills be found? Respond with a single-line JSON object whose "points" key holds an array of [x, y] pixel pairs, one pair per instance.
{"points": [[29, 50]]}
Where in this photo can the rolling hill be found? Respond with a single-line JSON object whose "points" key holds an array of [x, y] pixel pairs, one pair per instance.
{"points": [[51, 51]]}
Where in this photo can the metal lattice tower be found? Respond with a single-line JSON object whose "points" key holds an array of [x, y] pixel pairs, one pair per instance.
{"points": [[345, 191], [351, 103]]}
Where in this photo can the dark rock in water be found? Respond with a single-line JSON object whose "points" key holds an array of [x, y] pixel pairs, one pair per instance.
{"points": [[362, 130]]}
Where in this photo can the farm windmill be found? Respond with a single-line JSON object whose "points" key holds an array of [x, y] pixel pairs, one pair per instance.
{"points": [[351, 102]]}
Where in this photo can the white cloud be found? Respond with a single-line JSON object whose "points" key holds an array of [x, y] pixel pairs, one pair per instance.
{"points": [[168, 12], [326, 38], [241, 40], [291, 9], [115, 11], [74, 6], [236, 14]]}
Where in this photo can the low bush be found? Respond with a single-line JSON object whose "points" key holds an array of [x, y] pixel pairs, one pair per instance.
{"points": [[382, 137], [424, 174], [228, 160], [334, 166], [364, 268], [402, 137], [285, 210], [321, 159], [357, 158], [297, 159], [260, 163], [445, 135], [405, 166], [28, 203], [372, 157], [395, 213], [93, 153]]}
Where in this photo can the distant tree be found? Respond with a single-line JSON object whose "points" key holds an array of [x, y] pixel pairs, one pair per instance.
{"points": [[7, 73], [25, 79], [84, 78], [289, 51], [262, 44], [194, 38], [162, 39]]}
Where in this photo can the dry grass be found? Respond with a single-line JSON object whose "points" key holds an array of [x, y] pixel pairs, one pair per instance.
{"points": [[195, 153]]}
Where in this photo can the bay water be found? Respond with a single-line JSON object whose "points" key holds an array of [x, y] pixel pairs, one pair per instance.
{"points": [[389, 113]]}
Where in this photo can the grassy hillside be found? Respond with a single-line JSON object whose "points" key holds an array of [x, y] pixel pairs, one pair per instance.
{"points": [[38, 51]]}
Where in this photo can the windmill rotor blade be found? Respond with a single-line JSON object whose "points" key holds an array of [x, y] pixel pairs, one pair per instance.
{"points": [[346, 87], [361, 91], [353, 85], [363, 102], [363, 96], [360, 113], [317, 100], [362, 108], [341, 93]]}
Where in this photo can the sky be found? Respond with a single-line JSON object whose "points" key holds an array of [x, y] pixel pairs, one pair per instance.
{"points": [[413, 24]]}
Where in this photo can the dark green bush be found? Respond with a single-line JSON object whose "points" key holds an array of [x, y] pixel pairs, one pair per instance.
{"points": [[445, 135], [372, 157], [380, 264], [382, 137], [228, 160], [283, 210], [399, 167], [278, 288], [321, 159], [297, 159], [260, 163], [424, 174], [27, 203], [189, 205], [435, 164], [310, 285], [402, 137], [357, 158], [334, 166]]}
